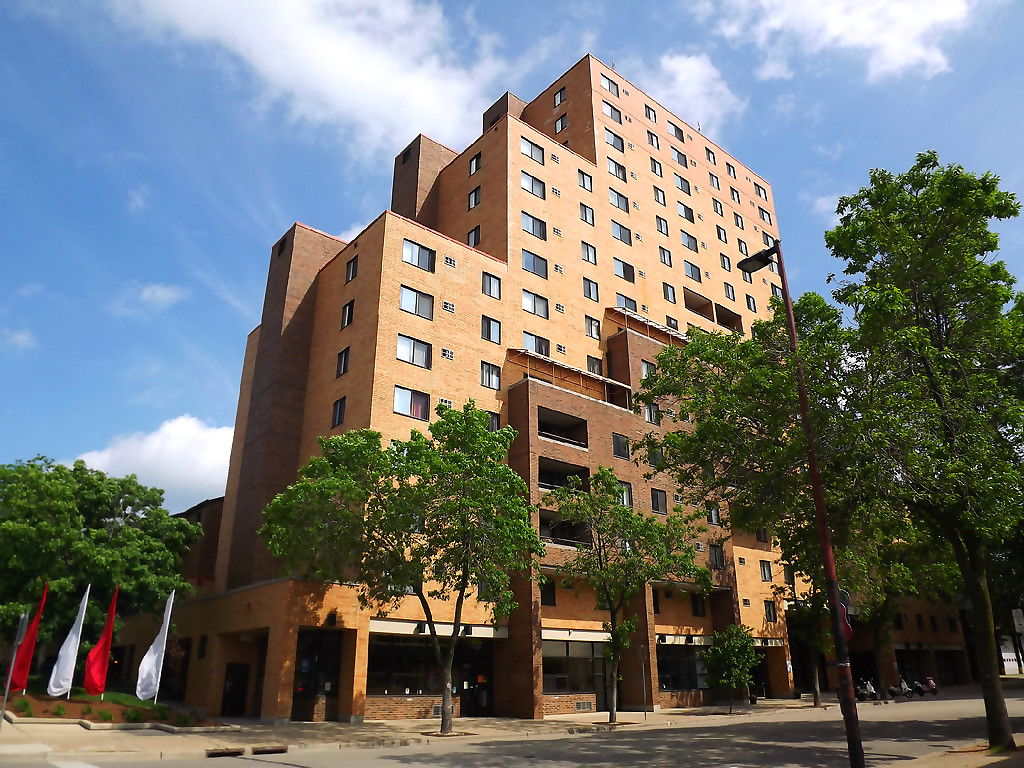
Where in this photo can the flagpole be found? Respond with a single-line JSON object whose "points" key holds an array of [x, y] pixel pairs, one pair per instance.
{"points": [[18, 637]]}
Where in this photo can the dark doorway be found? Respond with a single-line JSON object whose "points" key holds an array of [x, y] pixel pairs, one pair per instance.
{"points": [[317, 661], [473, 676], [760, 687], [236, 689]]}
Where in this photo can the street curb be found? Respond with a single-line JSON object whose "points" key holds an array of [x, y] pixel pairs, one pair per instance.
{"points": [[90, 725]]}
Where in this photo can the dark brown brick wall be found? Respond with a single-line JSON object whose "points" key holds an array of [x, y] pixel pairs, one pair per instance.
{"points": [[405, 707]]}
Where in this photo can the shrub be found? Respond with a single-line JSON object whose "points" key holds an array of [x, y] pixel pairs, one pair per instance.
{"points": [[86, 710], [183, 719], [162, 712], [106, 716], [23, 707], [132, 715], [59, 710]]}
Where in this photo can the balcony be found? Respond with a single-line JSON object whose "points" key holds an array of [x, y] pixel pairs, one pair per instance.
{"points": [[562, 427], [698, 304], [728, 319], [552, 474], [576, 380], [562, 533]]}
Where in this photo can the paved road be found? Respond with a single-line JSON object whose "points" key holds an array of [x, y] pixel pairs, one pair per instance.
{"points": [[893, 733]]}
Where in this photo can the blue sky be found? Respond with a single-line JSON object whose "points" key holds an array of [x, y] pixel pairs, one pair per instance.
{"points": [[152, 151]]}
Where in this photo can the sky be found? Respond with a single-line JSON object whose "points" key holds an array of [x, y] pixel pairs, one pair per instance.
{"points": [[152, 152]]}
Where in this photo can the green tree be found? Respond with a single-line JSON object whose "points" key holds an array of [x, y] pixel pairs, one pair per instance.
{"points": [[439, 517], [622, 551], [730, 659], [73, 526], [939, 327]]}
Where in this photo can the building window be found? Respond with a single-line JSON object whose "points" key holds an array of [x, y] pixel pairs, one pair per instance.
{"points": [[559, 95], [348, 314], [531, 184], [531, 150], [537, 344], [897, 621], [490, 329], [656, 167], [761, 534], [738, 220], [613, 140], [562, 123], [338, 415], [650, 114], [659, 196], [616, 169], [342, 368], [669, 292], [473, 237], [624, 270], [659, 501], [951, 624], [590, 289], [662, 225], [730, 292], [766, 570], [351, 269], [493, 421], [611, 111], [474, 164], [587, 214], [655, 601], [726, 262], [716, 556], [730, 169], [593, 326], [722, 234], [751, 303], [417, 303], [675, 130], [734, 194], [618, 199], [594, 365], [747, 276], [672, 323], [413, 351], [770, 613], [586, 181], [698, 605], [622, 234], [536, 227], [776, 291], [609, 85], [474, 198], [409, 402], [589, 252], [742, 246], [682, 184], [714, 181], [665, 255], [625, 302], [418, 255], [647, 368], [680, 158], [714, 514], [620, 446], [535, 304], [652, 139], [625, 494], [765, 216], [490, 285], [651, 414], [685, 211], [717, 206], [789, 575], [761, 191], [490, 376], [710, 155], [769, 241], [689, 240], [536, 264], [655, 457], [547, 587]]}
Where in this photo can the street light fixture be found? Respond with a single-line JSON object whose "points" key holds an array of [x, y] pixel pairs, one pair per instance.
{"points": [[847, 703]]}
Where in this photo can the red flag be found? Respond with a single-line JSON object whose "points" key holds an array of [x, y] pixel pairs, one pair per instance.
{"points": [[99, 657], [23, 661]]}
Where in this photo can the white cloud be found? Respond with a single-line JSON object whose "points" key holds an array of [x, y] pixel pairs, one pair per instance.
{"points": [[17, 340], [694, 88], [138, 198], [381, 70], [29, 290], [148, 298], [184, 456], [895, 36], [824, 207]]}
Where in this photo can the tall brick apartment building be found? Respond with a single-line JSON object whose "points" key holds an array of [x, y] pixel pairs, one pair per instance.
{"points": [[538, 271]]}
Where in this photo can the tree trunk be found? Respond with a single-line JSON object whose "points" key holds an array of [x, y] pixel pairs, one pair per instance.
{"points": [[446, 701], [997, 722], [812, 663], [613, 692]]}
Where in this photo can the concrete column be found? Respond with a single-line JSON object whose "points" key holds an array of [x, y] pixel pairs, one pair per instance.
{"points": [[279, 679]]}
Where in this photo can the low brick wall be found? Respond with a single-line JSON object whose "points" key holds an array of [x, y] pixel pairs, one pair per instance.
{"points": [[564, 704], [405, 707], [690, 698]]}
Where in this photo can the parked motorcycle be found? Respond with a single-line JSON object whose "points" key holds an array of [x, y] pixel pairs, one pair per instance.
{"points": [[865, 690], [901, 689], [928, 686]]}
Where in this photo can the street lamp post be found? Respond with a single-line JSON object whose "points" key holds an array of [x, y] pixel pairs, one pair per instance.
{"points": [[847, 703]]}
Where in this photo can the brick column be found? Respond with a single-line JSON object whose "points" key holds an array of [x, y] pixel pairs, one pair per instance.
{"points": [[352, 672], [638, 668], [279, 679]]}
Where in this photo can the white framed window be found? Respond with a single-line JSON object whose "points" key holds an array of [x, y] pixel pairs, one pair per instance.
{"points": [[535, 304], [592, 326], [669, 292], [490, 285], [418, 255], [473, 237], [717, 205], [338, 412], [656, 167], [625, 302], [416, 302], [730, 292], [609, 85], [751, 303], [474, 163], [624, 270], [490, 329], [682, 184], [531, 150], [611, 111], [661, 225], [618, 199], [589, 252], [474, 198], [625, 493], [650, 114], [692, 271], [409, 402], [684, 210], [590, 289], [586, 180], [537, 344], [616, 169], [531, 184], [613, 140], [652, 139], [413, 351], [490, 375], [665, 255], [689, 241], [536, 227], [562, 122], [622, 233], [586, 214], [714, 181], [659, 196], [559, 95]]}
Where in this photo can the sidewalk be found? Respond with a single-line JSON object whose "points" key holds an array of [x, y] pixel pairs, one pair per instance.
{"points": [[54, 741]]}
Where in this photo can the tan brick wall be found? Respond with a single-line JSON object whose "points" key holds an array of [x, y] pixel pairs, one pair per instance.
{"points": [[565, 703], [406, 707], [674, 699]]}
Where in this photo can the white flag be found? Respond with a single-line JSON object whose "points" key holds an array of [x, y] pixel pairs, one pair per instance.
{"points": [[64, 669], [153, 662]]}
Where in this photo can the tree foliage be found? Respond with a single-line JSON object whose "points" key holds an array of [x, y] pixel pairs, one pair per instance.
{"points": [[623, 550], [73, 526], [731, 658], [437, 517]]}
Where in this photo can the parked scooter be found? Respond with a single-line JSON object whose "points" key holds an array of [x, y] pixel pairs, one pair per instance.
{"points": [[865, 690], [928, 686], [901, 689]]}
